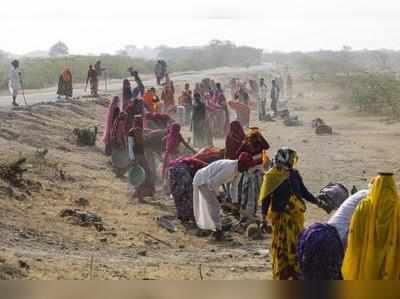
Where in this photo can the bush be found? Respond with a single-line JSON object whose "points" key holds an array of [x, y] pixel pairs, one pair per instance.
{"points": [[44, 72], [216, 54], [376, 93]]}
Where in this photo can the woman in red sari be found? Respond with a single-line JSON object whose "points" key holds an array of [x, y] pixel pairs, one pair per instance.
{"points": [[233, 143], [112, 114], [234, 140], [251, 181]]}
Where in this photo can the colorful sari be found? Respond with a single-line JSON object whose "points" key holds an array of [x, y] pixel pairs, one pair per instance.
{"points": [[234, 140], [320, 252], [119, 133], [181, 174], [148, 100], [112, 114], [173, 140], [374, 236], [248, 188], [286, 227], [65, 84]]}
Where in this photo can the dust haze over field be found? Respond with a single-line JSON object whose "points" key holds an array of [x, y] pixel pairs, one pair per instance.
{"points": [[353, 85]]}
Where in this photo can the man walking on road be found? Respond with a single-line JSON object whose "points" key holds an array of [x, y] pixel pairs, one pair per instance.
{"points": [[14, 83]]}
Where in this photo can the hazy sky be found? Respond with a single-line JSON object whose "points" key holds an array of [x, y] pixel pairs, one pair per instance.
{"points": [[88, 26]]}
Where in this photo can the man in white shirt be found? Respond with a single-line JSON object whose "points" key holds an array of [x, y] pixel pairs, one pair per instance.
{"points": [[262, 100], [206, 184], [14, 81]]}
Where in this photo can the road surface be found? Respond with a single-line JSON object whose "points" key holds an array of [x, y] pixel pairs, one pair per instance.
{"points": [[115, 86]]}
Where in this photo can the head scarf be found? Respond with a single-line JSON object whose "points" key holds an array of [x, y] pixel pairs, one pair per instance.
{"points": [[246, 161], [286, 158], [111, 112], [374, 235], [320, 252], [234, 139], [193, 163], [257, 141]]}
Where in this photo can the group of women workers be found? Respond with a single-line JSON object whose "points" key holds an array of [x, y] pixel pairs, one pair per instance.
{"points": [[360, 241]]}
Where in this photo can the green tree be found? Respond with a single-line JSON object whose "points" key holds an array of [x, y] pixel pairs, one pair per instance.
{"points": [[59, 49]]}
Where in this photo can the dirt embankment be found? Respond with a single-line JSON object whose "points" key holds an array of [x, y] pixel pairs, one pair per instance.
{"points": [[129, 243]]}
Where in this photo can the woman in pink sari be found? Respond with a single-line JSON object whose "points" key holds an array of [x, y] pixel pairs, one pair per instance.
{"points": [[112, 114], [173, 140]]}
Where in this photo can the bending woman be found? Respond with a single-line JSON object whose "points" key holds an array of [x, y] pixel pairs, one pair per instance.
{"points": [[173, 141], [180, 174]]}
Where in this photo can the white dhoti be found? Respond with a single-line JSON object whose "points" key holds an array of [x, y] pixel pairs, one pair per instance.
{"points": [[206, 183], [206, 208], [13, 87]]}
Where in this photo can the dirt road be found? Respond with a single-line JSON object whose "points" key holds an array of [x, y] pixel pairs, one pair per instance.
{"points": [[37, 243], [114, 86]]}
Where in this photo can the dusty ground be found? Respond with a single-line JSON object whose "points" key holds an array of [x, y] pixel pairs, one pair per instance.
{"points": [[38, 244]]}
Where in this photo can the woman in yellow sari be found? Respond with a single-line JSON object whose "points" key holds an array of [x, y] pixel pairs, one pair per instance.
{"points": [[281, 198], [374, 236]]}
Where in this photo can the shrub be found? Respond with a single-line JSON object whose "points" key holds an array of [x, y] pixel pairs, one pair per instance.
{"points": [[44, 72], [377, 93]]}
